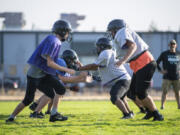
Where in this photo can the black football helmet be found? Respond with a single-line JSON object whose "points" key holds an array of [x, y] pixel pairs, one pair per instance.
{"points": [[114, 26], [61, 27], [103, 44], [71, 58]]}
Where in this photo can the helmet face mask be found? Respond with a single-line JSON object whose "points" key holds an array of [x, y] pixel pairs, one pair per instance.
{"points": [[71, 58], [62, 28], [98, 50], [110, 34]]}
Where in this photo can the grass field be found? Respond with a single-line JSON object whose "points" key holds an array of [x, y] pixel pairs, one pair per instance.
{"points": [[90, 118]]}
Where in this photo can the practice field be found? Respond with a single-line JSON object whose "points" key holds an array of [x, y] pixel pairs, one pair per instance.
{"points": [[90, 118]]}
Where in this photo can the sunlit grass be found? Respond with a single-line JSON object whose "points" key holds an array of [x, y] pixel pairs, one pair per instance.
{"points": [[90, 118]]}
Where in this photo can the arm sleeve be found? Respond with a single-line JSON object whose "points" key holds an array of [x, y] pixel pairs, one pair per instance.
{"points": [[102, 60], [123, 37], [159, 61], [49, 49]]}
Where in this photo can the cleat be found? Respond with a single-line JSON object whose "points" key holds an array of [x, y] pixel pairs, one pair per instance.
{"points": [[10, 120], [132, 114], [148, 115], [33, 106], [158, 116], [127, 116], [57, 117], [41, 114], [36, 115], [47, 112]]}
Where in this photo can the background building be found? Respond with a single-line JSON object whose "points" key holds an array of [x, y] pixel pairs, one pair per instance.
{"points": [[13, 20], [73, 18]]}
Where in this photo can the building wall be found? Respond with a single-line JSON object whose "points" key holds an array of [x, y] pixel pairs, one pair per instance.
{"points": [[17, 46]]}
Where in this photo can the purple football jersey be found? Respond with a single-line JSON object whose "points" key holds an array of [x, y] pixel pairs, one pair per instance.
{"points": [[49, 46]]}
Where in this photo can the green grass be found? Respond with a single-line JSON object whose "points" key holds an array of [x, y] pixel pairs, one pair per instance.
{"points": [[90, 118]]}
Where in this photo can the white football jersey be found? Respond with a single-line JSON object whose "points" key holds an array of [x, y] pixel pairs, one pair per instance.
{"points": [[108, 70], [125, 34]]}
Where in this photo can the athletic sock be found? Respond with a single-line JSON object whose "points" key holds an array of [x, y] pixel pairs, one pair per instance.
{"points": [[53, 111]]}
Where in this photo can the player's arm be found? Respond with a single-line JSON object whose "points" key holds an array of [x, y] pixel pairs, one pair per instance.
{"points": [[82, 77], [52, 64], [158, 61], [131, 49], [101, 61], [160, 58], [89, 67]]}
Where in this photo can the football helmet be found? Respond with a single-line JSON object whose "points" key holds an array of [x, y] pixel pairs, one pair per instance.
{"points": [[61, 27], [103, 44], [71, 59]]}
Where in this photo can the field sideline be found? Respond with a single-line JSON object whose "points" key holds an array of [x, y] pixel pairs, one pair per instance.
{"points": [[90, 118]]}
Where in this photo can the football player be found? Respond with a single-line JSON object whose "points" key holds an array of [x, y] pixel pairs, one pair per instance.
{"points": [[43, 69], [110, 74], [141, 62], [69, 59]]}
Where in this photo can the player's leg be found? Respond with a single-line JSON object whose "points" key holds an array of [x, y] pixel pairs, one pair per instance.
{"points": [[29, 97], [131, 94], [49, 107], [127, 106], [120, 104], [140, 105], [126, 87], [49, 94], [60, 90], [165, 87], [176, 89], [42, 103], [35, 104], [143, 81], [118, 91]]}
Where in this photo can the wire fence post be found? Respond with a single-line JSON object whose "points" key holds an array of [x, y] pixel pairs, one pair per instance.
{"points": [[2, 80]]}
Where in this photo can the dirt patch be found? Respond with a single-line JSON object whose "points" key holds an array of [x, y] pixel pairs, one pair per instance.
{"points": [[88, 94]]}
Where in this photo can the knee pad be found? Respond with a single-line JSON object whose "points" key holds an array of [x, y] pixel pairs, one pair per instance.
{"points": [[113, 99], [142, 95]]}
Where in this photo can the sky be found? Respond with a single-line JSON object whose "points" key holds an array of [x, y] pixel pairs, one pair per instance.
{"points": [[138, 14]]}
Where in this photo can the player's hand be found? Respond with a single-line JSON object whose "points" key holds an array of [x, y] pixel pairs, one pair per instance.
{"points": [[119, 63], [71, 71], [79, 63], [88, 79], [85, 77]]}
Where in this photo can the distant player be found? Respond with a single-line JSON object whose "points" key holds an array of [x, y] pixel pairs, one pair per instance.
{"points": [[111, 74], [141, 62], [42, 71]]}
